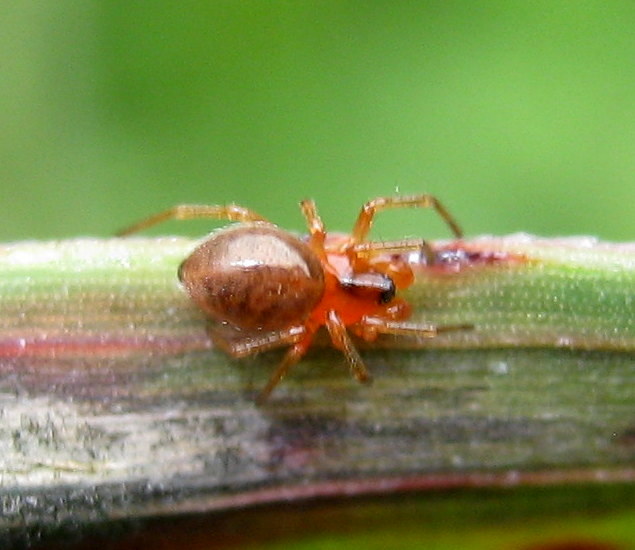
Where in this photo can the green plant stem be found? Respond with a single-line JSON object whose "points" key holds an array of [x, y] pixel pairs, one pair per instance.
{"points": [[110, 386]]}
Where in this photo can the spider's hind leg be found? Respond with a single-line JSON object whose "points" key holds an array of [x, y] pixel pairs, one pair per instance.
{"points": [[230, 212]]}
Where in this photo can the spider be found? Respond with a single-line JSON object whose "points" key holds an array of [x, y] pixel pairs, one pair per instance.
{"points": [[266, 288]]}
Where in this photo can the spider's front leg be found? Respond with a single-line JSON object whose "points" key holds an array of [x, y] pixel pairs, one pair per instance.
{"points": [[361, 251], [394, 322], [367, 215]]}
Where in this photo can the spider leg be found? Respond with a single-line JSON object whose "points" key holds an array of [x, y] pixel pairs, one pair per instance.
{"points": [[371, 248], [342, 341], [231, 212], [365, 219], [290, 358], [369, 327], [316, 227], [256, 343]]}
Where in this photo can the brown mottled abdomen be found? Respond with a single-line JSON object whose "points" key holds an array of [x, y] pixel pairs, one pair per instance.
{"points": [[254, 277]]}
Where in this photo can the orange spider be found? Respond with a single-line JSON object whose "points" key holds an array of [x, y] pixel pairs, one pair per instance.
{"points": [[266, 287]]}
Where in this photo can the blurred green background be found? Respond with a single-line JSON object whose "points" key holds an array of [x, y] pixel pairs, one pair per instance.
{"points": [[519, 115]]}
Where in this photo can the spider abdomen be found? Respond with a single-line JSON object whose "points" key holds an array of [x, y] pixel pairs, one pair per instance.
{"points": [[255, 277]]}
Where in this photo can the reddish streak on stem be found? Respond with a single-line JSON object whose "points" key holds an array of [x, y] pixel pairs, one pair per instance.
{"points": [[97, 346], [457, 257], [418, 483]]}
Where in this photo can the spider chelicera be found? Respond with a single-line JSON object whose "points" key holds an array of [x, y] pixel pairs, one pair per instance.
{"points": [[265, 287]]}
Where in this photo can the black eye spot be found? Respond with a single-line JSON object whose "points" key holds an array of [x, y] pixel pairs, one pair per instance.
{"points": [[371, 286], [388, 293]]}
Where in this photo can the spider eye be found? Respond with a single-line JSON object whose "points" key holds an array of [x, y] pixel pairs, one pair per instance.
{"points": [[370, 286], [388, 293]]}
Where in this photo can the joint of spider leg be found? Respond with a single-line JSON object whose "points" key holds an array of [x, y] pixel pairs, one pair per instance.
{"points": [[365, 330]]}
